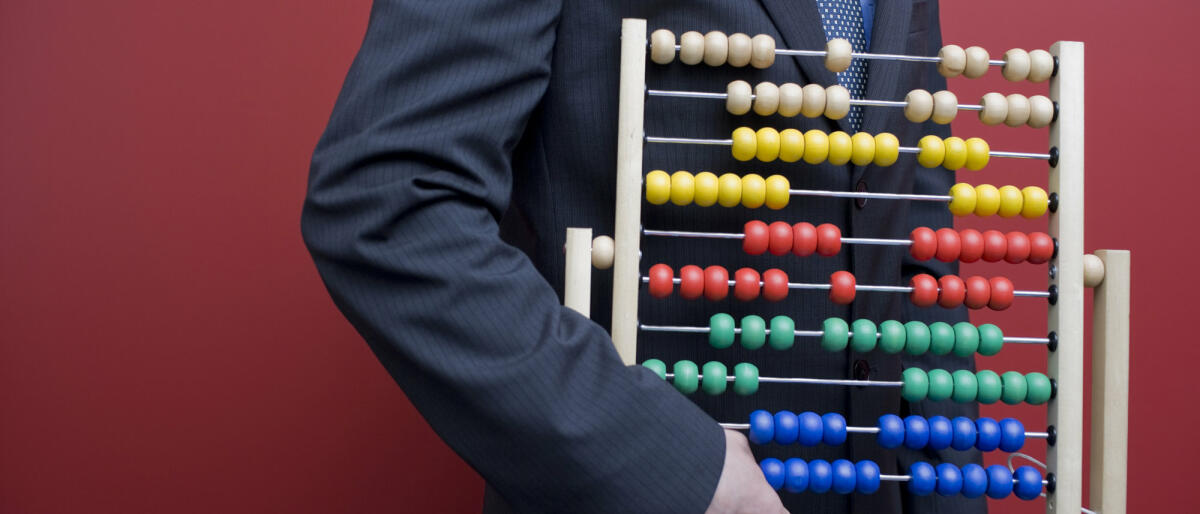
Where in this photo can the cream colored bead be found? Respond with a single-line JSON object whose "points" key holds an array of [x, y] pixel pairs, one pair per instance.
{"points": [[953, 61], [739, 50], [945, 107], [766, 98], [737, 100], [1018, 110], [837, 102], [1041, 111], [662, 46], [814, 101], [837, 55], [691, 47], [977, 62], [791, 99], [603, 247], [995, 109], [1016, 65], [716, 48], [762, 51], [918, 105], [1041, 65]]}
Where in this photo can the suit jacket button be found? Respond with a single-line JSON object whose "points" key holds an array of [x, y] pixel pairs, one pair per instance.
{"points": [[861, 188], [862, 370]]}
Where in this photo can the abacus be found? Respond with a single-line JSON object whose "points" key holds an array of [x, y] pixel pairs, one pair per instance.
{"points": [[1061, 248]]}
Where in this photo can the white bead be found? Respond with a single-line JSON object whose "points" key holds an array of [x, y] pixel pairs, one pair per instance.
{"points": [[953, 61], [837, 102], [837, 55], [603, 249], [995, 109], [691, 47], [1018, 110], [662, 46], [1016, 65], [762, 51], [738, 97], [945, 107], [1041, 66], [814, 101], [977, 62], [766, 98], [716, 48], [791, 99], [919, 105], [739, 50], [1041, 111]]}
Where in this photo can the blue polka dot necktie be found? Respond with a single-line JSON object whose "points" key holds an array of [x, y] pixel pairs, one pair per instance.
{"points": [[843, 19]]}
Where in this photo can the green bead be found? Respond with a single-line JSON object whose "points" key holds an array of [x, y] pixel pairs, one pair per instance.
{"points": [[916, 385], [916, 337], [941, 385], [990, 387], [1015, 387], [745, 379], [836, 334], [966, 387], [891, 336], [687, 378], [942, 338], [966, 339], [657, 366], [720, 331], [783, 333], [713, 382], [754, 332], [865, 337], [1040, 390], [991, 340]]}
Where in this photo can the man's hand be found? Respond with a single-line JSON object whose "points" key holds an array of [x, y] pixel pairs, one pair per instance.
{"points": [[742, 488]]}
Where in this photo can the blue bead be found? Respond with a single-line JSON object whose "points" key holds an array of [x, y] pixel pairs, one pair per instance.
{"points": [[795, 475], [949, 479], [762, 427], [772, 469], [964, 433], [1012, 435], [820, 476], [843, 476], [891, 431], [812, 429], [988, 437], [867, 480], [975, 481], [1029, 483], [1000, 482], [941, 432], [835, 429], [916, 432], [922, 478], [787, 427]]}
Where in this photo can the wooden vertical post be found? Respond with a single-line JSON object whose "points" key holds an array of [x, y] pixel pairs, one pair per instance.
{"points": [[627, 230], [577, 290], [1110, 385]]}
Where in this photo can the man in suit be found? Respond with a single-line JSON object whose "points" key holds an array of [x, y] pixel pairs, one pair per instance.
{"points": [[470, 134]]}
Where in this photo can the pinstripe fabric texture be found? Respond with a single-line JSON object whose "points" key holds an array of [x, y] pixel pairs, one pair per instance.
{"points": [[470, 134]]}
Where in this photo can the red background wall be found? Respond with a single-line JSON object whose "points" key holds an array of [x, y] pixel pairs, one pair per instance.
{"points": [[165, 344]]}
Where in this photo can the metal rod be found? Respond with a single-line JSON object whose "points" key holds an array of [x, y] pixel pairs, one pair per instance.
{"points": [[814, 381], [858, 287], [902, 149], [868, 430], [863, 55], [808, 333], [853, 101]]}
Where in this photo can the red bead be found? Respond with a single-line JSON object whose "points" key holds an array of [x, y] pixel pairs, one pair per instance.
{"points": [[781, 238], [661, 280], [924, 243], [804, 239], [1018, 247], [949, 246], [1041, 248], [775, 285], [972, 245], [829, 239], [757, 238], [716, 283], [747, 285], [995, 245], [924, 290], [1002, 293], [979, 291], [953, 291], [842, 287], [691, 282]]}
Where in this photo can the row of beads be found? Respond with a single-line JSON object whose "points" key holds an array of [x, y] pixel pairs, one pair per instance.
{"points": [[915, 337], [1013, 110], [787, 99], [950, 291], [972, 62], [713, 49], [914, 432], [983, 386], [1005, 201], [686, 377], [970, 245], [952, 153], [843, 477], [821, 476], [838, 148]]}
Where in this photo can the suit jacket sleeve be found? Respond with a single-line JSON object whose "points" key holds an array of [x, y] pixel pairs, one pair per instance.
{"points": [[405, 191]]}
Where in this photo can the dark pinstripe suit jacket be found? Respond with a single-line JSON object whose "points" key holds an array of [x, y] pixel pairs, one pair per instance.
{"points": [[470, 134]]}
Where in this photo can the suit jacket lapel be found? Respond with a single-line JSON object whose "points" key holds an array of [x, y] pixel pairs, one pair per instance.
{"points": [[889, 36], [799, 25]]}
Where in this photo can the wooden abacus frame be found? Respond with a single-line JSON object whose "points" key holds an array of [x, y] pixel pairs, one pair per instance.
{"points": [[1107, 271]]}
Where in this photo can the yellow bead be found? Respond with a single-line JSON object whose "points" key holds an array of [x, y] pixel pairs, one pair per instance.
{"points": [[864, 149], [754, 191], [1035, 202], [706, 189], [987, 200], [768, 144], [1011, 202], [933, 151], [977, 154], [729, 190], [791, 145], [962, 199], [777, 192], [840, 148], [745, 143], [816, 146], [956, 153], [887, 149], [683, 188], [658, 187]]}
